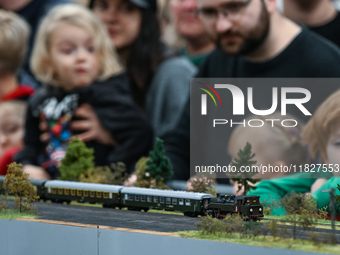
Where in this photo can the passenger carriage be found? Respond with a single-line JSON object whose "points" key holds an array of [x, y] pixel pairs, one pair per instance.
{"points": [[190, 203], [108, 195]]}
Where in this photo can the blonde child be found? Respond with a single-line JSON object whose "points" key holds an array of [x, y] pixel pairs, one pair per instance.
{"points": [[12, 119], [322, 134], [73, 56], [273, 144], [14, 32]]}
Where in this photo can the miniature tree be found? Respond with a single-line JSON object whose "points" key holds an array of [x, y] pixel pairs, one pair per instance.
{"points": [[153, 171], [78, 160], [18, 185], [158, 165], [201, 183], [244, 180], [143, 177]]}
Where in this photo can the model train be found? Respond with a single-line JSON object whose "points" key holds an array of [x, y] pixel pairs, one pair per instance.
{"points": [[114, 196]]}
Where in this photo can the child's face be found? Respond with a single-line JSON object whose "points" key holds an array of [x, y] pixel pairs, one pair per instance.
{"points": [[74, 60], [11, 131], [333, 147]]}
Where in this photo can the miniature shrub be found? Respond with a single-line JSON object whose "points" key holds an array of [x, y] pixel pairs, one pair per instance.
{"points": [[323, 213], [210, 225]]}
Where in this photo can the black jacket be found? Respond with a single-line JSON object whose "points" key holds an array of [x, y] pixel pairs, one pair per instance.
{"points": [[112, 102]]}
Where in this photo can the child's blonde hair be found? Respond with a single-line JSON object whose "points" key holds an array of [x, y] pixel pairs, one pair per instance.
{"points": [[14, 32], [82, 17], [320, 126], [278, 143], [15, 107]]}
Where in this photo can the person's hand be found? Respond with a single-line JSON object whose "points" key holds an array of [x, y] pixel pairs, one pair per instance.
{"points": [[317, 184], [36, 172], [43, 126], [91, 126]]}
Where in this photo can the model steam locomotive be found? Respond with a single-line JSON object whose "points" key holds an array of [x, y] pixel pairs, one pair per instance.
{"points": [[114, 196]]}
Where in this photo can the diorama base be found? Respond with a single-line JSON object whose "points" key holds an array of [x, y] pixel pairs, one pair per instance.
{"points": [[41, 237]]}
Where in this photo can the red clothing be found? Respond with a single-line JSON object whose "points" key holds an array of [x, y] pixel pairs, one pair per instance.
{"points": [[7, 158], [21, 92]]}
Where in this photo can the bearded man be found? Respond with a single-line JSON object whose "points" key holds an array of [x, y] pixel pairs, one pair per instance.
{"points": [[253, 40]]}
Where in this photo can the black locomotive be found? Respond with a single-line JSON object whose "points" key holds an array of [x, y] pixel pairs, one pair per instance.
{"points": [[115, 196], [223, 205]]}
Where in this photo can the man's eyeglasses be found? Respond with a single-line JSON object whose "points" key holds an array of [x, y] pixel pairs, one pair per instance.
{"points": [[231, 10]]}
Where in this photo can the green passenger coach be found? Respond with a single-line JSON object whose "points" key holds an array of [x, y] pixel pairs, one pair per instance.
{"points": [[190, 203]]}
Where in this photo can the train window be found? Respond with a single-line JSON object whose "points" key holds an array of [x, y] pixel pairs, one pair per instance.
{"points": [[174, 201], [73, 192], [86, 193], [60, 191], [92, 194], [155, 200], [187, 202], [131, 197], [54, 191], [105, 194], [161, 200], [79, 193], [180, 201], [136, 197], [254, 201], [168, 200], [142, 198], [247, 201], [149, 199], [67, 192], [99, 194]]}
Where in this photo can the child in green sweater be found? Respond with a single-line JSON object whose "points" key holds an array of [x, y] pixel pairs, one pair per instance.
{"points": [[273, 145], [322, 134]]}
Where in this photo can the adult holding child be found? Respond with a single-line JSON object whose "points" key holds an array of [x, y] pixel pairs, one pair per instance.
{"points": [[159, 80], [74, 57]]}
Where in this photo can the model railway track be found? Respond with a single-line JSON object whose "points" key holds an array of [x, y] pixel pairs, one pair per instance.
{"points": [[290, 222], [115, 196]]}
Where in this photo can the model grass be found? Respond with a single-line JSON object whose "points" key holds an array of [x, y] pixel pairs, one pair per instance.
{"points": [[265, 241], [276, 231]]}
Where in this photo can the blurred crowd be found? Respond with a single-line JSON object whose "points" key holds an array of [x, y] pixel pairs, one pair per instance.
{"points": [[116, 74]]}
